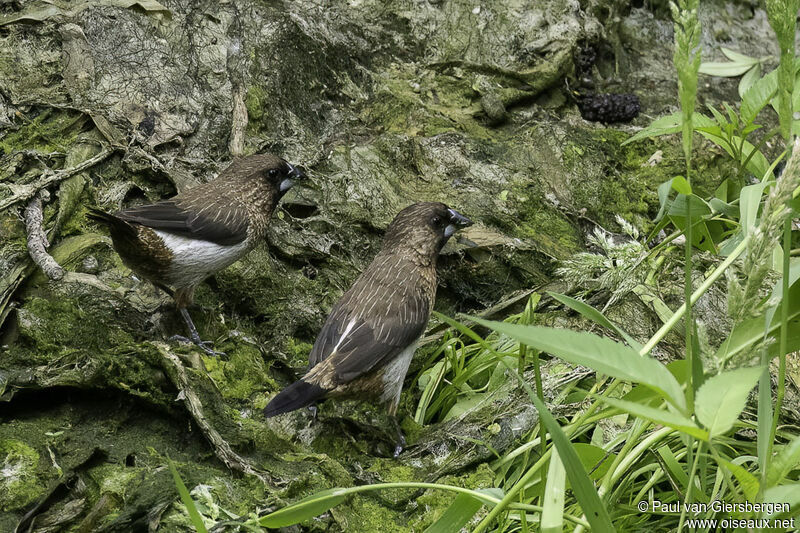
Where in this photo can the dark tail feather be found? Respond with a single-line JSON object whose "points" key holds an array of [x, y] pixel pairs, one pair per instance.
{"points": [[100, 216], [118, 227], [298, 394]]}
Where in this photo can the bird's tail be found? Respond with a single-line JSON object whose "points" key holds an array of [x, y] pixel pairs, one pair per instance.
{"points": [[117, 226], [298, 394], [98, 215]]}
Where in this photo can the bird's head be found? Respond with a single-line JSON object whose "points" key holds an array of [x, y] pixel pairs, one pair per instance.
{"points": [[283, 175], [274, 173], [424, 228]]}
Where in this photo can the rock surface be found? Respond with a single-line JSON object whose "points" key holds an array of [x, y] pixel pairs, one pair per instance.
{"points": [[385, 103]]}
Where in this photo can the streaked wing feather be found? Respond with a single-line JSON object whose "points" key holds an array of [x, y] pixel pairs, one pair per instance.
{"points": [[170, 216], [372, 341]]}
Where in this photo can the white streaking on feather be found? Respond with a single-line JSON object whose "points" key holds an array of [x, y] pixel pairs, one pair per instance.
{"points": [[193, 260], [344, 336]]}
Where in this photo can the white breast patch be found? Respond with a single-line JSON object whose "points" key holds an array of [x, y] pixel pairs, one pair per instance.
{"points": [[194, 260]]}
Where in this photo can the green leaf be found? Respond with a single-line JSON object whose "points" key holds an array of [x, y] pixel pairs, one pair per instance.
{"points": [[305, 509], [464, 404], [736, 56], [757, 164], [758, 96], [660, 126], [582, 487], [680, 184], [725, 70], [749, 202], [747, 481], [786, 459], [697, 206], [553, 501], [658, 416], [718, 206], [191, 508], [596, 316], [748, 80], [788, 495], [457, 515], [602, 354], [596, 461], [722, 398], [751, 331]]}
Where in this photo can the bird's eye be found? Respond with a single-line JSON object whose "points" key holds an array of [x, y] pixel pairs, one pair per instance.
{"points": [[436, 220], [273, 173]]}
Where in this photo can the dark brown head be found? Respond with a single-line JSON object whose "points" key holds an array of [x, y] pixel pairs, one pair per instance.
{"points": [[275, 172], [423, 228]]}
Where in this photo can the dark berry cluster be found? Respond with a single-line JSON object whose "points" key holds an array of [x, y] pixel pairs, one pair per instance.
{"points": [[587, 55], [609, 108]]}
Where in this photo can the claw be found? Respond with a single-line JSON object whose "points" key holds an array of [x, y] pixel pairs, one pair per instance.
{"points": [[203, 345], [401, 439], [195, 337]]}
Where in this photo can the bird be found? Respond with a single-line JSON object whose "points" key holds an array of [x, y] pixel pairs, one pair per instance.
{"points": [[369, 338], [179, 242]]}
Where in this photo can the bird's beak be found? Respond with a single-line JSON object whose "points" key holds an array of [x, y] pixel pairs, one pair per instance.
{"points": [[456, 220], [295, 173]]}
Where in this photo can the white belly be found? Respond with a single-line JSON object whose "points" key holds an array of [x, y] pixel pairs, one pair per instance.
{"points": [[194, 260]]}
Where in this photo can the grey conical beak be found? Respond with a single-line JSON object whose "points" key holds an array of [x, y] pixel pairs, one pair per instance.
{"points": [[456, 220], [295, 173]]}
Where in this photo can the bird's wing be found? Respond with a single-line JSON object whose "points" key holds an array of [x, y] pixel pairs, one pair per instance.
{"points": [[220, 221], [358, 339]]}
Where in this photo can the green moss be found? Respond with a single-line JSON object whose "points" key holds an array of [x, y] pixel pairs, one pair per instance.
{"points": [[19, 483], [241, 374], [50, 131], [624, 179], [255, 103], [52, 324], [297, 351]]}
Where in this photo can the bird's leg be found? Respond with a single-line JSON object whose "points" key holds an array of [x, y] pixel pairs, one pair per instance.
{"points": [[314, 410], [194, 336], [183, 297], [401, 439]]}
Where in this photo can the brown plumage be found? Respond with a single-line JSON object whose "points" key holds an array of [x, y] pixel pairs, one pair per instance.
{"points": [[181, 241], [367, 342]]}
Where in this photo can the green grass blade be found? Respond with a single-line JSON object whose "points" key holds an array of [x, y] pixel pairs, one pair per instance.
{"points": [[601, 354], [582, 486], [320, 502], [784, 461], [187, 500], [553, 504], [596, 316], [657, 416], [722, 398], [786, 495], [457, 515], [747, 481], [305, 509]]}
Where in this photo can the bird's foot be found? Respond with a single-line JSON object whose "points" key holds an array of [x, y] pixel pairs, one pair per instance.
{"points": [[203, 345], [314, 410], [399, 446], [401, 438]]}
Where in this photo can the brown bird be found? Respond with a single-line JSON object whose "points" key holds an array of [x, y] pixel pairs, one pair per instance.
{"points": [[370, 336], [181, 241]]}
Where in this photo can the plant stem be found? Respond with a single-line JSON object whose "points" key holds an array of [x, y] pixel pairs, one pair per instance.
{"points": [[690, 485], [714, 276], [787, 244]]}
